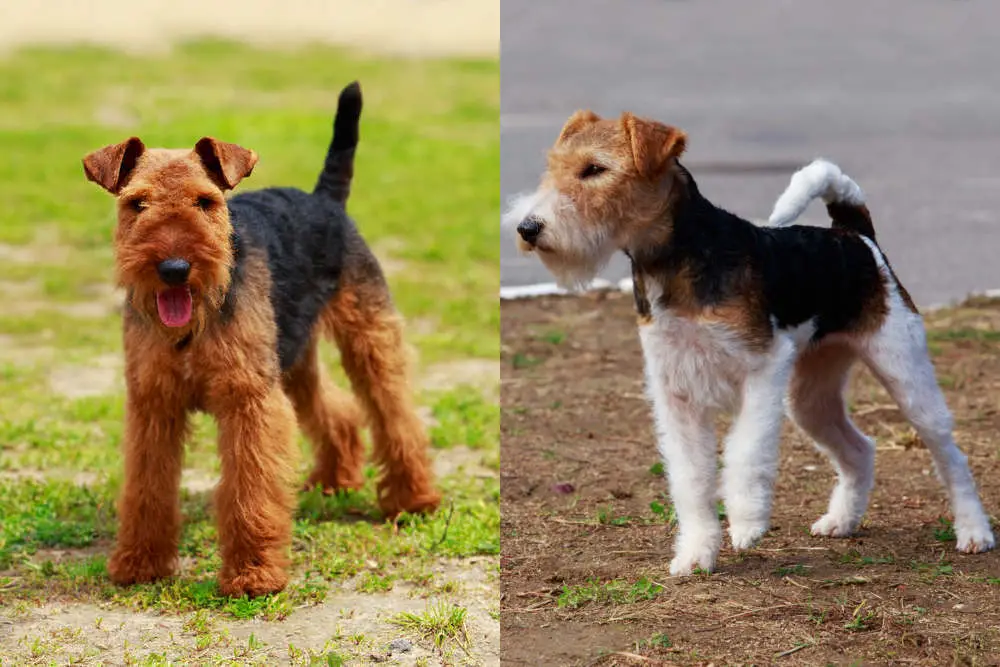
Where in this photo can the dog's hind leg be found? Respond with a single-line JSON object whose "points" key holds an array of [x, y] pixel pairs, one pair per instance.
{"points": [[330, 418], [369, 333], [897, 354], [816, 405]]}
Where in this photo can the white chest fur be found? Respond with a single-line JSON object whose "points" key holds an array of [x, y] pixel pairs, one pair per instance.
{"points": [[701, 363]]}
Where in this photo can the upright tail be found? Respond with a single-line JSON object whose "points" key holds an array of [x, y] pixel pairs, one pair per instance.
{"points": [[845, 202], [338, 170]]}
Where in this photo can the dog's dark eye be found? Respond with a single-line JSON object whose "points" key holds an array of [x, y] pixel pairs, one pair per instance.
{"points": [[138, 204], [205, 203], [592, 170]]}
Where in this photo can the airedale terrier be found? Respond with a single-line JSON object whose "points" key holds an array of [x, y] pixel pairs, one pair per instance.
{"points": [[742, 318], [226, 301]]}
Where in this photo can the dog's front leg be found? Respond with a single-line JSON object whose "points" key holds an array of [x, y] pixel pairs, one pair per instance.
{"points": [[254, 500], [148, 509], [751, 448], [687, 444]]}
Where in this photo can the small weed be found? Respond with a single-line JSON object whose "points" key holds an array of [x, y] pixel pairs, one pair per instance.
{"points": [[785, 570], [944, 531], [607, 518], [663, 512], [373, 582], [440, 622], [862, 618], [617, 591], [553, 337], [659, 640], [817, 616], [656, 469], [524, 361]]}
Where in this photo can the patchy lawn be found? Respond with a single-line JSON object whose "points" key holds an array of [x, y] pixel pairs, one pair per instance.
{"points": [[424, 196], [587, 523]]}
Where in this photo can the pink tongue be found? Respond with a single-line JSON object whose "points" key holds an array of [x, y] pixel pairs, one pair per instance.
{"points": [[174, 306]]}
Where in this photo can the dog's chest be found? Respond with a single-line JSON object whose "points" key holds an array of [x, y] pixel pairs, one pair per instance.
{"points": [[704, 364]]}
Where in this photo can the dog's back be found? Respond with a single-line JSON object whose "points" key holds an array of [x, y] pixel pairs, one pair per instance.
{"points": [[304, 235]]}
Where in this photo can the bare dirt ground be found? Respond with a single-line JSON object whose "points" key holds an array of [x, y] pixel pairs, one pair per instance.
{"points": [[419, 27], [73, 633], [587, 537]]}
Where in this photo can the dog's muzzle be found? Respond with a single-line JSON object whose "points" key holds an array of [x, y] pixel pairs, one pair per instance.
{"points": [[530, 229]]}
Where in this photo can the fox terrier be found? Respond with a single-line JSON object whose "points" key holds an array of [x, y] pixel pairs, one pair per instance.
{"points": [[226, 302], [750, 319]]}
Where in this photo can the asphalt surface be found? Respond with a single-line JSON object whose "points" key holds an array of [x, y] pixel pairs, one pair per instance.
{"points": [[903, 94]]}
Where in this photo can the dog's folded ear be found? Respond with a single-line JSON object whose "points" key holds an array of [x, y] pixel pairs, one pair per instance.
{"points": [[654, 144], [111, 166], [227, 164], [577, 122]]}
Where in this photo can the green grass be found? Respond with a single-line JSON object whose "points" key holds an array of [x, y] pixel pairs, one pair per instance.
{"points": [[616, 591], [440, 623], [425, 196]]}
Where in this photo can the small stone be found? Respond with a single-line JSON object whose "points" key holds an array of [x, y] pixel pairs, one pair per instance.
{"points": [[400, 646]]}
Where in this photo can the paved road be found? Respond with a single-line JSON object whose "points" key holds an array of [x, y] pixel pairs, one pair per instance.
{"points": [[903, 94]]}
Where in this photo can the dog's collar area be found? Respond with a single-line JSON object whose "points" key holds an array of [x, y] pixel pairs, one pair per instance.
{"points": [[642, 306], [183, 343]]}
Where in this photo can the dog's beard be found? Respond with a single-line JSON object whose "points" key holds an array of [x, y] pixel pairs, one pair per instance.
{"points": [[573, 251], [575, 264]]}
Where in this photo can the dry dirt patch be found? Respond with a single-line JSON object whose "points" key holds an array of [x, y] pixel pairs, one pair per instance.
{"points": [[352, 624], [482, 374], [103, 375], [577, 512]]}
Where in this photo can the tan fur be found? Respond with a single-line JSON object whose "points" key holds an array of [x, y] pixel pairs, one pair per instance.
{"points": [[171, 204]]}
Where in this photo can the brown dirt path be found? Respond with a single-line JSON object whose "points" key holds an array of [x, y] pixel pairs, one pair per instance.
{"points": [[587, 541]]}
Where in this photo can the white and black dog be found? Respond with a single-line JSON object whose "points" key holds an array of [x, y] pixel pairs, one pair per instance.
{"points": [[757, 320]]}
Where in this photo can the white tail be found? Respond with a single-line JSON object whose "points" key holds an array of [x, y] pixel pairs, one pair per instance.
{"points": [[820, 178]]}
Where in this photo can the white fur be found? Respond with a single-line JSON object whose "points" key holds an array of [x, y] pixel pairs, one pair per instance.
{"points": [[820, 178], [693, 371], [898, 356], [573, 251], [696, 369]]}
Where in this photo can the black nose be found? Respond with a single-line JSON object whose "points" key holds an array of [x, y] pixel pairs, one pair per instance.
{"points": [[529, 229], [173, 271]]}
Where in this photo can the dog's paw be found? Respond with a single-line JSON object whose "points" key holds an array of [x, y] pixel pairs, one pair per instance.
{"points": [[975, 540], [830, 525], [746, 536], [689, 558], [253, 581], [126, 567], [332, 482], [398, 495]]}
